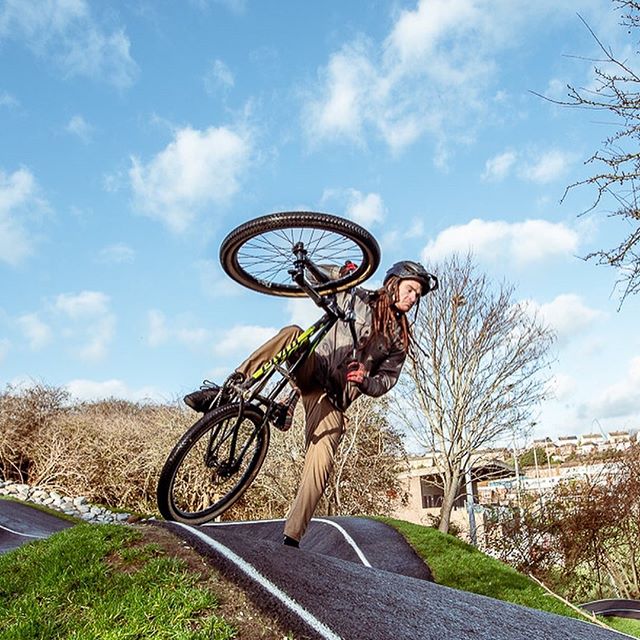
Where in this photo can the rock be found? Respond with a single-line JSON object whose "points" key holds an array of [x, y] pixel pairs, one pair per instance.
{"points": [[78, 506]]}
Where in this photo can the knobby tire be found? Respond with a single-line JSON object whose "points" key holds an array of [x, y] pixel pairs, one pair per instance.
{"points": [[357, 240]]}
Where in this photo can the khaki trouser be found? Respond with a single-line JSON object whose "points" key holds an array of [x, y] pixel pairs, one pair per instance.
{"points": [[324, 426]]}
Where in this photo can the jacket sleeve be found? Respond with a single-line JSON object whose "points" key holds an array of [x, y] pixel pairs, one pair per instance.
{"points": [[386, 375]]}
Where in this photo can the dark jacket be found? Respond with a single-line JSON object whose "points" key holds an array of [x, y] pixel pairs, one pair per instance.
{"points": [[383, 362]]}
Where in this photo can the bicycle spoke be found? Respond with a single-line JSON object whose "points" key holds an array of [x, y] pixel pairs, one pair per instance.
{"points": [[269, 256]]}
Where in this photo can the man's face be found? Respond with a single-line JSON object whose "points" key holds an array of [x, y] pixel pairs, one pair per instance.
{"points": [[408, 293]]}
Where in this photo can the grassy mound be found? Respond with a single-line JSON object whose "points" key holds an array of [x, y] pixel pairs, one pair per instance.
{"points": [[111, 581]]}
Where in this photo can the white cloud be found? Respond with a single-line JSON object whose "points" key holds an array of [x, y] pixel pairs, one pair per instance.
{"points": [[302, 312], [90, 390], [65, 32], [423, 35], [193, 337], [93, 324], [349, 87], [218, 77], [79, 127], [544, 168], [38, 333], [498, 167], [82, 305], [38, 23], [242, 340], [197, 169], [160, 331], [521, 242], [118, 253], [548, 167], [99, 336], [365, 209], [394, 240], [19, 202], [567, 314], [8, 100], [434, 73], [157, 332], [420, 77], [621, 399], [563, 386]]}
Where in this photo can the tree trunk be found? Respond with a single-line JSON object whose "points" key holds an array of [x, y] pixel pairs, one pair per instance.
{"points": [[450, 494]]}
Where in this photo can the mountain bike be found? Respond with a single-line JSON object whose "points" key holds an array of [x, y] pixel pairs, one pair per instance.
{"points": [[289, 254]]}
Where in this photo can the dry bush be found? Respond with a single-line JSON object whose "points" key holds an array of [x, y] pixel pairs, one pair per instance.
{"points": [[24, 419], [112, 452], [118, 450], [109, 451]]}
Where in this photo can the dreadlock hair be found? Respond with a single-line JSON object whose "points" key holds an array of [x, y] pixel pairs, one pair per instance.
{"points": [[386, 319]]}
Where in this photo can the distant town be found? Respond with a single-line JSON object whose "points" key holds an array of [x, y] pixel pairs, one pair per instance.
{"points": [[501, 476]]}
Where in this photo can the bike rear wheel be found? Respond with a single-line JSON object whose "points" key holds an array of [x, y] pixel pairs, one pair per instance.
{"points": [[200, 480], [259, 253]]}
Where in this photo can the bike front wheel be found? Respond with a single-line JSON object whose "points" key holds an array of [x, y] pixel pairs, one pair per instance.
{"points": [[213, 464], [259, 254]]}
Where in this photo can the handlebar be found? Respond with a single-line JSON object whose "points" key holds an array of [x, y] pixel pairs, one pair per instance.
{"points": [[300, 266]]}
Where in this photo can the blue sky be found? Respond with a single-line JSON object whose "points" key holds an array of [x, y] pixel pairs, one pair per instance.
{"points": [[135, 135]]}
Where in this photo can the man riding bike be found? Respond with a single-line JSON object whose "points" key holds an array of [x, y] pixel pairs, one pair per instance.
{"points": [[364, 358]]}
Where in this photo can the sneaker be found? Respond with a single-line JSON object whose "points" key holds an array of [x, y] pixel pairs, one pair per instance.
{"points": [[290, 542], [202, 399]]}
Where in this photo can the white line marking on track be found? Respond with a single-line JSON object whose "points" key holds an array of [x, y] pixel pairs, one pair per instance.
{"points": [[349, 539], [18, 533], [255, 575], [229, 523], [346, 536]]}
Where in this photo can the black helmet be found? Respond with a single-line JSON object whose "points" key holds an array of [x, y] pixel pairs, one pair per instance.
{"points": [[408, 269]]}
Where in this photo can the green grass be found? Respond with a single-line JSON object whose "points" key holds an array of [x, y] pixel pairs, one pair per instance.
{"points": [[625, 625], [461, 566], [98, 581]]}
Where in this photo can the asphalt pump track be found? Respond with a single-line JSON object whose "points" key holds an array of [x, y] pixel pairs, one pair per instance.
{"points": [[358, 579], [20, 523]]}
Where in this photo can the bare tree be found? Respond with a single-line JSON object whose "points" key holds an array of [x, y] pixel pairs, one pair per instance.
{"points": [[476, 371], [616, 92]]}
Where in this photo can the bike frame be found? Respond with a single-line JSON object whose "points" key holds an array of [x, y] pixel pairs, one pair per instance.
{"points": [[297, 350]]}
